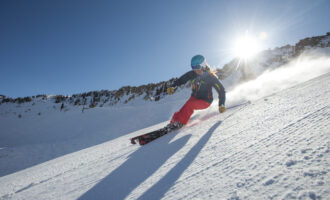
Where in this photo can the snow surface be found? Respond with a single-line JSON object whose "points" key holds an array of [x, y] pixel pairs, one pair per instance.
{"points": [[272, 143]]}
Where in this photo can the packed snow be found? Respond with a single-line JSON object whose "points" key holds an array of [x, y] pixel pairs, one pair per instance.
{"points": [[272, 143]]}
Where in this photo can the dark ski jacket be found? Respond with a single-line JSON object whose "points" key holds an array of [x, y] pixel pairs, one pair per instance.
{"points": [[202, 86]]}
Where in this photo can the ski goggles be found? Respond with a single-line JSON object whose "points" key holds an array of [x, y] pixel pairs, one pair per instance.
{"points": [[197, 67]]}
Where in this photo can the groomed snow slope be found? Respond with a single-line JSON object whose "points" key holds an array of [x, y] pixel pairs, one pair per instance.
{"points": [[275, 147]]}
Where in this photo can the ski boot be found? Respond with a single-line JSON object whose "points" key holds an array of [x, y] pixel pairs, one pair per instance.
{"points": [[174, 126]]}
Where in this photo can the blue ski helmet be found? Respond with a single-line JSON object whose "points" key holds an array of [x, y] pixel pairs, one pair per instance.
{"points": [[197, 61]]}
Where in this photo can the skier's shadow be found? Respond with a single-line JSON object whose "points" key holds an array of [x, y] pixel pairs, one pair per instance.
{"points": [[158, 190], [139, 166], [142, 164]]}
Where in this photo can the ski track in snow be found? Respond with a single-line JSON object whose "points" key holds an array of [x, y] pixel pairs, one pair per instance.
{"points": [[276, 147]]}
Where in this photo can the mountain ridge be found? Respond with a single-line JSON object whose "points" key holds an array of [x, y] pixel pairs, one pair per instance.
{"points": [[267, 59]]}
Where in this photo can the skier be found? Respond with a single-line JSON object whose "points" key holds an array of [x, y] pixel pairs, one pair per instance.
{"points": [[202, 81]]}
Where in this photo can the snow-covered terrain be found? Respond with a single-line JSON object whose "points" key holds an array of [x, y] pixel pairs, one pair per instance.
{"points": [[272, 143]]}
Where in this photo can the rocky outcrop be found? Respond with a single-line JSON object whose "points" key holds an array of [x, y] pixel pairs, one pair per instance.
{"points": [[312, 42]]}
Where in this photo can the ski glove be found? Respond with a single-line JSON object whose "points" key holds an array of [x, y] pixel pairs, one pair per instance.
{"points": [[222, 109], [170, 90]]}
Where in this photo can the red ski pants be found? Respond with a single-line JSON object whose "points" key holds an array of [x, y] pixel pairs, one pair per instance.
{"points": [[188, 108]]}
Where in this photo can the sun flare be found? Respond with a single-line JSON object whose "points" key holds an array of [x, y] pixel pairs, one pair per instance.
{"points": [[246, 47]]}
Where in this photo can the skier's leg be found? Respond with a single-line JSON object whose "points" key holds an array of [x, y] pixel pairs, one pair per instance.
{"points": [[183, 114], [187, 110]]}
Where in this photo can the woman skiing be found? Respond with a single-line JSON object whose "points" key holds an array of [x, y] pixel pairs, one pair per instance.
{"points": [[202, 81]]}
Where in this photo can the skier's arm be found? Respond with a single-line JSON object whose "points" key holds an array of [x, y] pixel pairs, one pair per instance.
{"points": [[184, 78], [221, 91]]}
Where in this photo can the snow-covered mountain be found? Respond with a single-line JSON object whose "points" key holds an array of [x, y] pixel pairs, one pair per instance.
{"points": [[233, 73], [272, 143]]}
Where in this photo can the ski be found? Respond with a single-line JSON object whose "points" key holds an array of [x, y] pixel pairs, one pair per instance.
{"points": [[148, 137]]}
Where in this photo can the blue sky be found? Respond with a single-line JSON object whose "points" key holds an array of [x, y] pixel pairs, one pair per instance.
{"points": [[73, 46]]}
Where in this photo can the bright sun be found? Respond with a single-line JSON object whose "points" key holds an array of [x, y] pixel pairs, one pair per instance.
{"points": [[246, 47]]}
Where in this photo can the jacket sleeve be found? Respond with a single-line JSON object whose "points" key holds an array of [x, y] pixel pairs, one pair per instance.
{"points": [[184, 78], [220, 89]]}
